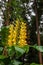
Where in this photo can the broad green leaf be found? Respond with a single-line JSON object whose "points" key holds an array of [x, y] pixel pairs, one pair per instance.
{"points": [[39, 48], [19, 52], [26, 48], [19, 49]]}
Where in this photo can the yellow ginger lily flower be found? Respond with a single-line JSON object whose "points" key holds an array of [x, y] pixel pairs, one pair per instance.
{"points": [[22, 36], [22, 43], [10, 42], [17, 33], [10, 36]]}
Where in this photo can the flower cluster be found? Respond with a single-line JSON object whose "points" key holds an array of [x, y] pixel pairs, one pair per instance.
{"points": [[12, 37], [17, 34], [23, 34]]}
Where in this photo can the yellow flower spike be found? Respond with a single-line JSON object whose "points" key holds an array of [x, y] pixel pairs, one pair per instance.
{"points": [[14, 41], [13, 34], [23, 29], [10, 36], [23, 32], [9, 42], [23, 23], [23, 35]]}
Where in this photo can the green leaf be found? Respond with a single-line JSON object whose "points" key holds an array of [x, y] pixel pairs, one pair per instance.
{"points": [[19, 49], [1, 48], [26, 48], [11, 51], [15, 62], [4, 35], [2, 57], [39, 48]]}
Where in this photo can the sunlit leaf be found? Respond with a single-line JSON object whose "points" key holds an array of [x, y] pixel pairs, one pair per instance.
{"points": [[19, 49], [39, 48], [15, 62]]}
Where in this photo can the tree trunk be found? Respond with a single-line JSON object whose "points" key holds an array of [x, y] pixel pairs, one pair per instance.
{"points": [[38, 34]]}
